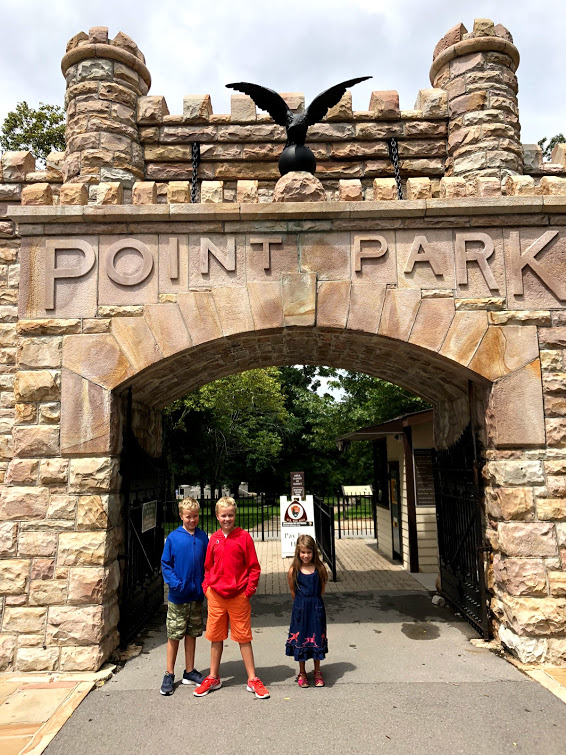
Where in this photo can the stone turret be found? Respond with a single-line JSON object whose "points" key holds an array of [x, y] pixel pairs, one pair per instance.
{"points": [[477, 71], [104, 80]]}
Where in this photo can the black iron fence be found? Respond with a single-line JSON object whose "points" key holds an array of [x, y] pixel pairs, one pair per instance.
{"points": [[355, 515], [258, 514], [324, 528]]}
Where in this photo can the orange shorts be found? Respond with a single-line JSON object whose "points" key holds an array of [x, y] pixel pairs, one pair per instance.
{"points": [[237, 611]]}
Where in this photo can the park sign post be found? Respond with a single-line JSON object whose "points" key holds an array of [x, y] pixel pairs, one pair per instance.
{"points": [[297, 518], [298, 484]]}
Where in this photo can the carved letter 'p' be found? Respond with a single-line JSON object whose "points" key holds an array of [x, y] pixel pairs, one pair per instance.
{"points": [[52, 272]]}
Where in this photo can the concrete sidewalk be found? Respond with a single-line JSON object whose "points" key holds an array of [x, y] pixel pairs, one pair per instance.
{"points": [[402, 677]]}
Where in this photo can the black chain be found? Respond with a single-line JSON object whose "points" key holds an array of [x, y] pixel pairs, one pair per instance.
{"points": [[195, 153], [394, 157]]}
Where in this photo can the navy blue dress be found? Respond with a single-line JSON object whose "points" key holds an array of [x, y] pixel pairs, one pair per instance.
{"points": [[307, 633]]}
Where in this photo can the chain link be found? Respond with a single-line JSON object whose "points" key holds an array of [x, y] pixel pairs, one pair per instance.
{"points": [[394, 156], [195, 154]]}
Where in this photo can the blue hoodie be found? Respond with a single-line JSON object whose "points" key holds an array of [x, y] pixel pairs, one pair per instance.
{"points": [[182, 564]]}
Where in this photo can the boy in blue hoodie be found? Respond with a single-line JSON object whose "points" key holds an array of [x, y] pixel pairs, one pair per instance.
{"points": [[182, 565]]}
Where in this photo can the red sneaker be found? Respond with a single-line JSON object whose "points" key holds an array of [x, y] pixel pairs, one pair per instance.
{"points": [[256, 685], [209, 685]]}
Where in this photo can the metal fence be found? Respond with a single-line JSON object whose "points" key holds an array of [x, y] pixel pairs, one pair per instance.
{"points": [[258, 514], [354, 516]]}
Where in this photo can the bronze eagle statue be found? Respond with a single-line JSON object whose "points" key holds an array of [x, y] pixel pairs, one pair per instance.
{"points": [[295, 155]]}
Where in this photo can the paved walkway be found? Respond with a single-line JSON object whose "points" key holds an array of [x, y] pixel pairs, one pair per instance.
{"points": [[402, 677], [359, 568]]}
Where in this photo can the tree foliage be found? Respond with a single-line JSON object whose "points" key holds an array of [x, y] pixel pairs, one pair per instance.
{"points": [[40, 130], [547, 145], [263, 424]]}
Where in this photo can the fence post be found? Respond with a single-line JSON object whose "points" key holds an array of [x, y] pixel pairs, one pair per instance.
{"points": [[339, 522], [262, 519]]}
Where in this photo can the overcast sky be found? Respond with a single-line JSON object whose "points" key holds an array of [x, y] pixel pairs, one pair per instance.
{"points": [[290, 45]]}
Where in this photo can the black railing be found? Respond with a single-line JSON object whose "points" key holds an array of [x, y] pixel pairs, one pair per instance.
{"points": [[258, 514], [356, 515], [324, 528]]}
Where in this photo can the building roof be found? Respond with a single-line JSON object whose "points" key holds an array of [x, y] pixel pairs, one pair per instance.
{"points": [[392, 427]]}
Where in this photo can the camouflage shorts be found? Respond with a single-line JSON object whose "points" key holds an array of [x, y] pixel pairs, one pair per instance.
{"points": [[184, 619]]}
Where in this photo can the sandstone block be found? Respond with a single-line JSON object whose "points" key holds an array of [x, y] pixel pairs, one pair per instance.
{"points": [[39, 352], [197, 108], [24, 620], [151, 109], [36, 440], [552, 186], [178, 192], [242, 109], [144, 192], [555, 431], [8, 537], [53, 471], [48, 327], [350, 190], [511, 503], [75, 625], [558, 155], [37, 194], [452, 36], [385, 104], [22, 472], [384, 189], [484, 186], [37, 385], [298, 291], [91, 513], [520, 576], [527, 649], [419, 188], [247, 192], [557, 582], [37, 544], [93, 475], [551, 509], [295, 101], [535, 616], [432, 102], [515, 472], [23, 503], [42, 568], [212, 192], [532, 157], [452, 187], [298, 186], [527, 539], [14, 576], [342, 111], [73, 194], [50, 414], [16, 166], [7, 651], [62, 506], [37, 659], [93, 584], [84, 549], [47, 592], [517, 186], [110, 193]]}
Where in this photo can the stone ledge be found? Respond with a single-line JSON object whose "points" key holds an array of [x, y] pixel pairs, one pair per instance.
{"points": [[469, 46], [422, 208], [108, 52]]}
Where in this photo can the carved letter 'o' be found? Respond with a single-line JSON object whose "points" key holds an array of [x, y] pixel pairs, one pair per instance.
{"points": [[129, 279]]}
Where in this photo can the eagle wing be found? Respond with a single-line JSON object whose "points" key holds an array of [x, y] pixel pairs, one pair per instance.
{"points": [[325, 100], [265, 99]]}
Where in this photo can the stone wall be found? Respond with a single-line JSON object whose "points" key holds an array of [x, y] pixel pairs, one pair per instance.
{"points": [[455, 293]]}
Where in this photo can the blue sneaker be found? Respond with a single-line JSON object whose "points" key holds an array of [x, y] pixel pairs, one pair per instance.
{"points": [[167, 685], [192, 677]]}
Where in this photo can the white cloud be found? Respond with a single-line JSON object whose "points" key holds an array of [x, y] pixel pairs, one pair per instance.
{"points": [[299, 45]]}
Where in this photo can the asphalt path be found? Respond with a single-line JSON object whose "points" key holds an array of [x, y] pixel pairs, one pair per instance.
{"points": [[401, 677]]}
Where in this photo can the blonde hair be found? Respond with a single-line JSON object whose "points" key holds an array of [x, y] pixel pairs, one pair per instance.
{"points": [[306, 542], [224, 503], [188, 504]]}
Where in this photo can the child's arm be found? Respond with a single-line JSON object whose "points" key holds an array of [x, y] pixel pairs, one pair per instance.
{"points": [[291, 582], [254, 569], [208, 562], [168, 567]]}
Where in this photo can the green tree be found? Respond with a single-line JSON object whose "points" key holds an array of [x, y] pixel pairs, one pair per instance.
{"points": [[547, 145], [40, 130], [228, 428]]}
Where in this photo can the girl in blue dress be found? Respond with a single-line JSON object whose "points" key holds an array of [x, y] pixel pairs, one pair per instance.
{"points": [[307, 634]]}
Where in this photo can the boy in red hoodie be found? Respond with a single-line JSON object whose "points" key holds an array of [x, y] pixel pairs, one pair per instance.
{"points": [[231, 574]]}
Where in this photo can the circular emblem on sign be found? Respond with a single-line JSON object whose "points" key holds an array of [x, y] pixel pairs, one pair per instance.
{"points": [[295, 512]]}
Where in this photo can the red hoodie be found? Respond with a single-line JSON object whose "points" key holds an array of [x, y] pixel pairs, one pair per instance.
{"points": [[231, 564]]}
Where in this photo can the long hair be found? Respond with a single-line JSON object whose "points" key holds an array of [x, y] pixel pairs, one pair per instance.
{"points": [[306, 542]]}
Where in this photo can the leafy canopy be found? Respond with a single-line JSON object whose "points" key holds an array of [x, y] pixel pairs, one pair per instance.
{"points": [[547, 145], [40, 130]]}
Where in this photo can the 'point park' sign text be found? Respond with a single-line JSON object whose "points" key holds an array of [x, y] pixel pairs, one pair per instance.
{"points": [[71, 277]]}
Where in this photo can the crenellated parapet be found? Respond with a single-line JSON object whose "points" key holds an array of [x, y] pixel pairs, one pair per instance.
{"points": [[477, 70], [104, 78]]}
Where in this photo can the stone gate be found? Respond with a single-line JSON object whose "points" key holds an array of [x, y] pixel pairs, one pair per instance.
{"points": [[112, 279]]}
